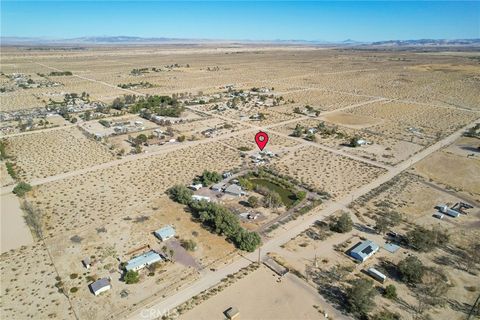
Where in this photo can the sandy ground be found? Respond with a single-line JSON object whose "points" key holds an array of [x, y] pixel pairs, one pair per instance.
{"points": [[260, 296], [459, 172], [14, 232]]}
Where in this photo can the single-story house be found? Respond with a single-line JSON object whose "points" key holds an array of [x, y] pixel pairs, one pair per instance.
{"points": [[235, 190], [165, 233], [101, 285], [143, 260], [364, 250], [196, 197]]}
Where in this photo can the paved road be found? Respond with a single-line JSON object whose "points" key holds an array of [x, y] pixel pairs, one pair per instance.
{"points": [[291, 230]]}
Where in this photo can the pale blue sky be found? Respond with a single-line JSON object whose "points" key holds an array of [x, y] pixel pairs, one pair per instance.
{"points": [[330, 21]]}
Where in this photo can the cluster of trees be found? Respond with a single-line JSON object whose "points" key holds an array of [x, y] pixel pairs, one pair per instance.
{"points": [[423, 239], [387, 220], [342, 224], [207, 178], [159, 105], [360, 296], [122, 102], [139, 71], [301, 131], [60, 73], [218, 219], [141, 84]]}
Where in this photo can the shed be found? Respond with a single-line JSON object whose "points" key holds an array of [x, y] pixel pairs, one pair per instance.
{"points": [[143, 260], [101, 285], [438, 215], [377, 275], [364, 250], [231, 313], [87, 263], [165, 233]]}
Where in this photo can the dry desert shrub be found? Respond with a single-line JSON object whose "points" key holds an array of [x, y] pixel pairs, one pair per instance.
{"points": [[325, 171], [50, 153]]}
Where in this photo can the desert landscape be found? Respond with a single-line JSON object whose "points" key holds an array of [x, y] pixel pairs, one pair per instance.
{"points": [[104, 145]]}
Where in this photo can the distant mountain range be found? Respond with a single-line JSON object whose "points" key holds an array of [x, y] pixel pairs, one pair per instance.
{"points": [[163, 40], [428, 42]]}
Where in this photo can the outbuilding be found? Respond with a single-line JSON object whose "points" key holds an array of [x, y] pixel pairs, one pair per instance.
{"points": [[165, 233], [364, 250], [197, 197], [87, 263], [377, 275], [101, 285]]}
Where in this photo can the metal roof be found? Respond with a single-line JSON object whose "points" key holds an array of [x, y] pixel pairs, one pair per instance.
{"points": [[99, 284], [364, 249], [146, 258], [165, 232]]}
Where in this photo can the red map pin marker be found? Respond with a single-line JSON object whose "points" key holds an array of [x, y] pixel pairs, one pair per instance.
{"points": [[261, 139]]}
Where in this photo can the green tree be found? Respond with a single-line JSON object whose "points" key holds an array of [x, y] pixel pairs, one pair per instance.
{"points": [[411, 270], [189, 244], [272, 200], [140, 139], [247, 241], [360, 296], [131, 277], [180, 194], [390, 292], [343, 224], [354, 142], [22, 188], [301, 195], [298, 131], [253, 201]]}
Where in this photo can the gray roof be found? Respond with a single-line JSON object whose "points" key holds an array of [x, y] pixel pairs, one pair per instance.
{"points": [[99, 284], [234, 189], [364, 249], [165, 232]]}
